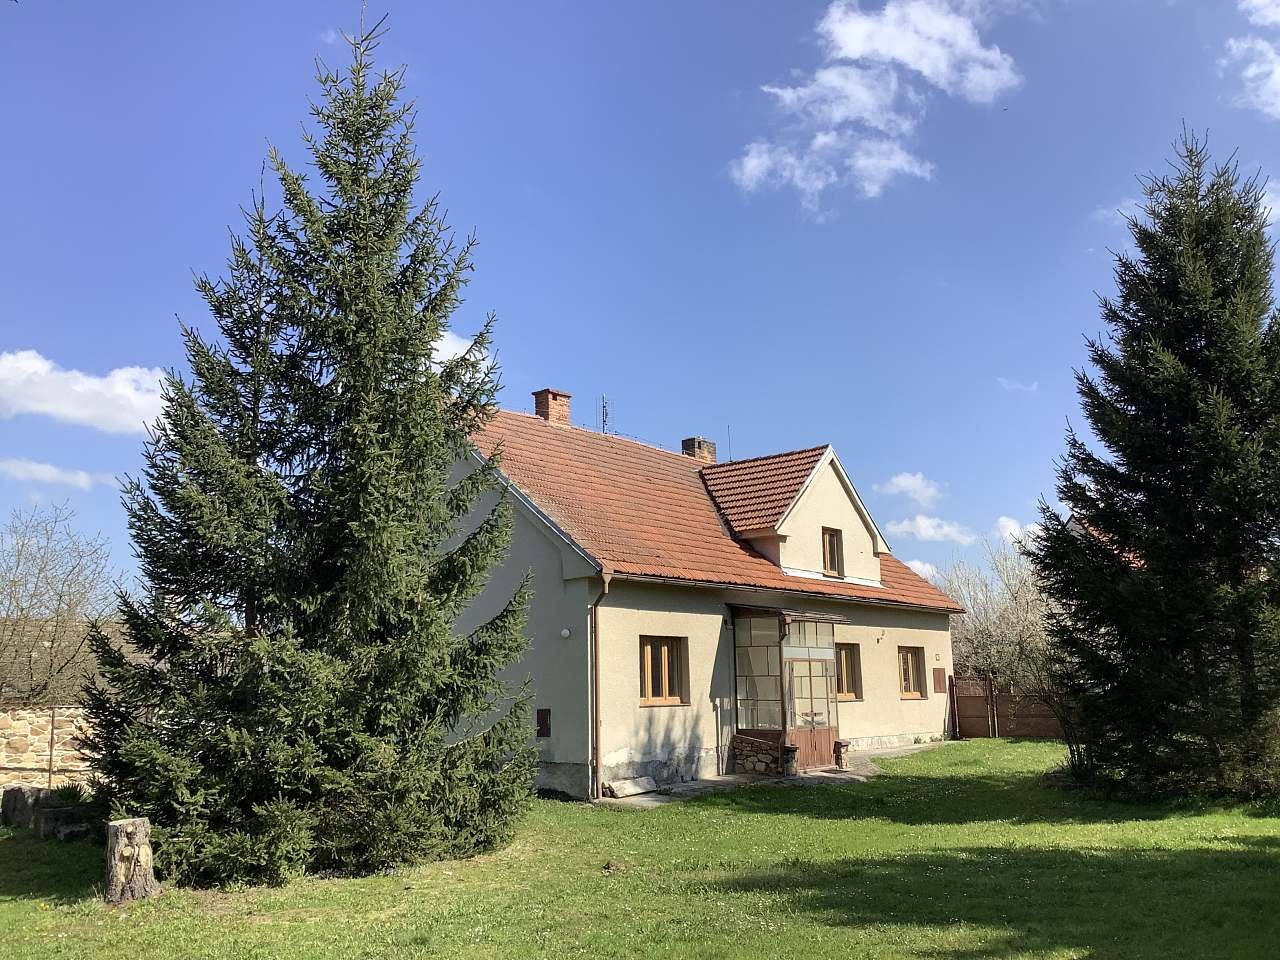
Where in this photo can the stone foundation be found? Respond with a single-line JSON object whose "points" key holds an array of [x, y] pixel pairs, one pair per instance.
{"points": [[891, 741], [570, 779], [40, 746], [673, 768], [752, 755]]}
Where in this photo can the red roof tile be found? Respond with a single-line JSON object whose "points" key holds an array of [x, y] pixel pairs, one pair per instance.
{"points": [[645, 512], [754, 494]]}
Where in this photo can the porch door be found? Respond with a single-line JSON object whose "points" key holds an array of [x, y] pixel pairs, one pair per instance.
{"points": [[811, 711]]}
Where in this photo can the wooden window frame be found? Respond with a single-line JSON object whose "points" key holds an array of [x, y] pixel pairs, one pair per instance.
{"points": [[844, 690], [676, 647], [833, 566], [914, 673]]}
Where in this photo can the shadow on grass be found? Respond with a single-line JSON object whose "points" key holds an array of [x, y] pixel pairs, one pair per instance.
{"points": [[1097, 903], [48, 870], [941, 798]]}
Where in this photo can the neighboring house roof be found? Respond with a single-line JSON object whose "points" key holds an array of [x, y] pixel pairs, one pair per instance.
{"points": [[755, 494], [641, 511], [1079, 526]]}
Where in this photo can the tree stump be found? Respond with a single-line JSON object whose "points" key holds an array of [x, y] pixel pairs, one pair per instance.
{"points": [[129, 868]]}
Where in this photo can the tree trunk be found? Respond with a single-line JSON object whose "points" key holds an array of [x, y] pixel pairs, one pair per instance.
{"points": [[129, 870]]}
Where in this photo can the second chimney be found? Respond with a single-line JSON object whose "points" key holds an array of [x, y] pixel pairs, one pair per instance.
{"points": [[699, 448], [551, 405]]}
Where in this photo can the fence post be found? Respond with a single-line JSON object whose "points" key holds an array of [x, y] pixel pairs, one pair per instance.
{"points": [[993, 723], [995, 707], [955, 707], [53, 722]]}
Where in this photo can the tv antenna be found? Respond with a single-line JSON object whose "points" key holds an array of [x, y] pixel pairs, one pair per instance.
{"points": [[604, 414]]}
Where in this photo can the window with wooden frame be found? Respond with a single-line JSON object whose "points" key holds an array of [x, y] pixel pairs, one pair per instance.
{"points": [[911, 672], [662, 670], [832, 552], [848, 671]]}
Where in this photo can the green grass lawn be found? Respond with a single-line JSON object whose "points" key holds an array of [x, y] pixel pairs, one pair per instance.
{"points": [[957, 852]]}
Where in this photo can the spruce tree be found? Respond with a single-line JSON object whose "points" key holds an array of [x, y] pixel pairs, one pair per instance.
{"points": [[1162, 576], [293, 693]]}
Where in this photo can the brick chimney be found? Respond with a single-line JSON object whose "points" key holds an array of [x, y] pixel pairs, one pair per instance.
{"points": [[551, 405], [699, 448]]}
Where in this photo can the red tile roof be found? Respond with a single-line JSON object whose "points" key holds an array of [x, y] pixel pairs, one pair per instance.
{"points": [[645, 512], [754, 494]]}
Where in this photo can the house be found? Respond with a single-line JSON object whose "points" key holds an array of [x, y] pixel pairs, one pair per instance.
{"points": [[691, 616]]}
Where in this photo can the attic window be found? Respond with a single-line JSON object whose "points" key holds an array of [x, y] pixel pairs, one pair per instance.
{"points": [[832, 553]]}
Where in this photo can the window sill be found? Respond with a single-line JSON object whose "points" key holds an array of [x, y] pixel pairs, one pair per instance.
{"points": [[848, 698], [913, 696], [664, 703]]}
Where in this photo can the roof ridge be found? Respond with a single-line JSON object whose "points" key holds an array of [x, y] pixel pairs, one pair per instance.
{"points": [[766, 456], [607, 436]]}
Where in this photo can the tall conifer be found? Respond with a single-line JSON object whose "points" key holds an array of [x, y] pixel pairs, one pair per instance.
{"points": [[1163, 575], [294, 694]]}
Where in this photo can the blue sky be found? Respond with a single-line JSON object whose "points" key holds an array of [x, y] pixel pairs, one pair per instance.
{"points": [[878, 225]]}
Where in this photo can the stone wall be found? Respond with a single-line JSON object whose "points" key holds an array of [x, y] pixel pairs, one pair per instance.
{"points": [[752, 755], [32, 736]]}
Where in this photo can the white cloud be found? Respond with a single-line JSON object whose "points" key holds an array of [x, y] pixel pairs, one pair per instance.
{"points": [[1259, 64], [924, 569], [809, 170], [1012, 531], [34, 472], [914, 485], [933, 529], [933, 38], [1017, 386], [875, 164], [847, 123], [122, 401], [1118, 215], [846, 93], [1265, 13], [451, 345], [830, 157], [330, 36]]}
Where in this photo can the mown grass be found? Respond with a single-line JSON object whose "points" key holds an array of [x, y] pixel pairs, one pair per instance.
{"points": [[958, 852]]}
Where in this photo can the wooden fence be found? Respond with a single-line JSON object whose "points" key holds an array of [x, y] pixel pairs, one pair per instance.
{"points": [[984, 709]]}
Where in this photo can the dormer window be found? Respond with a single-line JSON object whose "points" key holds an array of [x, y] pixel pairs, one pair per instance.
{"points": [[832, 553]]}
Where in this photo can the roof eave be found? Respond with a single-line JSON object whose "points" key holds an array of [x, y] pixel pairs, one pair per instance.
{"points": [[716, 585]]}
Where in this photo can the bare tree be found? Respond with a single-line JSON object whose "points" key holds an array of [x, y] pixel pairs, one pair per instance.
{"points": [[53, 581], [1002, 636], [1003, 628]]}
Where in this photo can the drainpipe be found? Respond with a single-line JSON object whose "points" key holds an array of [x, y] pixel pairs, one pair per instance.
{"points": [[593, 659]]}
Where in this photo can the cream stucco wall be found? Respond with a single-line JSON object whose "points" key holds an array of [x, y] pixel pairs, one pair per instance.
{"points": [[883, 717], [556, 667], [826, 503], [665, 742], [679, 742]]}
